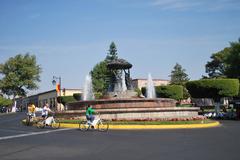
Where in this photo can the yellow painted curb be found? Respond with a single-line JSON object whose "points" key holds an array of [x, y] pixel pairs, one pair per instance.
{"points": [[179, 126], [135, 127], [69, 125]]}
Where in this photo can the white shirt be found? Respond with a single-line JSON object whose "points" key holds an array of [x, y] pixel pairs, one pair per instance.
{"points": [[45, 111]]}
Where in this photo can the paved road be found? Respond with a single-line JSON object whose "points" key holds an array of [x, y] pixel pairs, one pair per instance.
{"points": [[187, 144]]}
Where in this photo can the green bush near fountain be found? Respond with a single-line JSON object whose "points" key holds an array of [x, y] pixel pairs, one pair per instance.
{"points": [[169, 91]]}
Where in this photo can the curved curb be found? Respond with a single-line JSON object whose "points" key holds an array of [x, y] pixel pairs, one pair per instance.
{"points": [[142, 127]]}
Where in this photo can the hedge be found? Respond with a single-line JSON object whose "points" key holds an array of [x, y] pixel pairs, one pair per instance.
{"points": [[77, 96], [170, 91], [239, 91], [213, 88], [66, 99]]}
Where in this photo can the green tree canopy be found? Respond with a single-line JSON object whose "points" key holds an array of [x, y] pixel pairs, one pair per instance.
{"points": [[178, 75], [19, 74], [112, 54], [100, 77], [225, 63], [233, 61], [217, 66], [100, 74]]}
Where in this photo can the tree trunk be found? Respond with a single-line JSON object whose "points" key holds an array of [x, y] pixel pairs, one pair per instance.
{"points": [[217, 108]]}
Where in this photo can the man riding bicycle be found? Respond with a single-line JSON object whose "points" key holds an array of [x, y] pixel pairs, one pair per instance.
{"points": [[31, 110], [93, 122], [45, 111], [89, 113], [30, 114]]}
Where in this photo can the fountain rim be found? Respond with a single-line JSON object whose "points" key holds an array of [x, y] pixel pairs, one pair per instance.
{"points": [[122, 100]]}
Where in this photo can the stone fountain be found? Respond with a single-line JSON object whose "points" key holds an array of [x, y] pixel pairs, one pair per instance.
{"points": [[120, 81], [122, 103]]}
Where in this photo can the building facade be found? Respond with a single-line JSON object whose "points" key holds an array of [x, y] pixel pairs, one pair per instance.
{"points": [[139, 83], [49, 97]]}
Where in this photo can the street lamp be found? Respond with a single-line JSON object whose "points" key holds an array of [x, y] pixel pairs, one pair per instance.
{"points": [[58, 86]]}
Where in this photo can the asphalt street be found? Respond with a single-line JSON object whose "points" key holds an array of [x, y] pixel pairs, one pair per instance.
{"points": [[25, 143]]}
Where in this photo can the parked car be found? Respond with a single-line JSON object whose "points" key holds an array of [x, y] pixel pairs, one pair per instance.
{"points": [[3, 109]]}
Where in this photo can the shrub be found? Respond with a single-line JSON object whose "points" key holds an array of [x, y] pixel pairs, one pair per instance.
{"points": [[239, 91], [170, 91], [213, 88], [98, 95], [144, 91], [77, 96], [66, 99], [138, 91], [5, 102]]}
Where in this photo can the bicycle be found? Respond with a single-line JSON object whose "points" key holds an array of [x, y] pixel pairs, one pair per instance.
{"points": [[97, 123], [49, 121]]}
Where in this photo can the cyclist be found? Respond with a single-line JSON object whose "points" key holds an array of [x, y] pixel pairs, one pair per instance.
{"points": [[92, 122], [31, 110], [45, 111], [89, 113], [30, 113]]}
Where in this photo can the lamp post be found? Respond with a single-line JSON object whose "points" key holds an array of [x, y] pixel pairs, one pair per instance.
{"points": [[54, 82]]}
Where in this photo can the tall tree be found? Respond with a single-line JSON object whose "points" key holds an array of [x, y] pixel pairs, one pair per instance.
{"points": [[100, 74], [178, 75], [217, 66], [19, 75], [225, 63], [233, 61], [100, 77], [112, 54]]}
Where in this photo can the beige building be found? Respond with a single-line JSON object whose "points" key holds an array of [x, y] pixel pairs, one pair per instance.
{"points": [[139, 83], [49, 97], [23, 102]]}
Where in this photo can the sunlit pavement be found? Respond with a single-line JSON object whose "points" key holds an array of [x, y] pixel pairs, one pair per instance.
{"points": [[212, 143]]}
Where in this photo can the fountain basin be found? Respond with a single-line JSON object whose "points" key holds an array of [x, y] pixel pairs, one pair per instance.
{"points": [[139, 113], [123, 103], [132, 109]]}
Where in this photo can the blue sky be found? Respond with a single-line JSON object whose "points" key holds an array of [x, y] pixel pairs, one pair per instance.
{"points": [[69, 37]]}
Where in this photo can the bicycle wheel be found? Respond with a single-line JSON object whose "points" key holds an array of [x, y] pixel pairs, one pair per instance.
{"points": [[40, 124], [83, 126], [55, 124], [103, 125]]}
